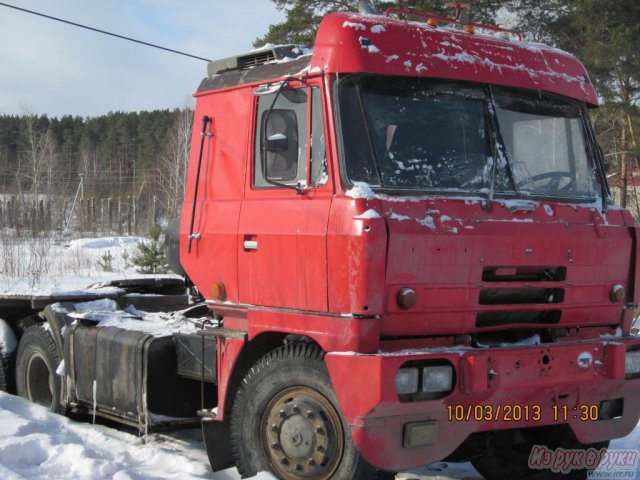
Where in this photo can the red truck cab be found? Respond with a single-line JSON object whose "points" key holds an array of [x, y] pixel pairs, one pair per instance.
{"points": [[407, 236]]}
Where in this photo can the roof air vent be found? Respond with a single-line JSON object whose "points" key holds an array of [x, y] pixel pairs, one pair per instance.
{"points": [[256, 58]]}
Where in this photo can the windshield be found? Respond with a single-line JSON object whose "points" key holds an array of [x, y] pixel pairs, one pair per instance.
{"points": [[424, 134]]}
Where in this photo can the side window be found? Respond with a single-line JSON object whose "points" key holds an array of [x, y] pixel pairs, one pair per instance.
{"points": [[281, 138], [319, 174]]}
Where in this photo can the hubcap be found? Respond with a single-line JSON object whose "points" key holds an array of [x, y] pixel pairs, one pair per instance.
{"points": [[302, 435], [39, 381]]}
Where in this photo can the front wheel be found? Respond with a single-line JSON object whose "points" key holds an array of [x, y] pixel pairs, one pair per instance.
{"points": [[285, 420]]}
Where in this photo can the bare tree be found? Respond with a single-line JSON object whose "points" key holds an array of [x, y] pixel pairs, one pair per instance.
{"points": [[173, 162]]}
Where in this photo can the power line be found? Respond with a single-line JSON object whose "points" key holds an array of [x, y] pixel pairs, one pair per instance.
{"points": [[86, 27]]}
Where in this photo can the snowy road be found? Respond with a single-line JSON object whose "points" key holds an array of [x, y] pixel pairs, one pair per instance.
{"points": [[35, 444]]}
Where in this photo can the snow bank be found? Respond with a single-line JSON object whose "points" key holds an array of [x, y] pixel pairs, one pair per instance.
{"points": [[43, 265], [105, 242], [36, 444]]}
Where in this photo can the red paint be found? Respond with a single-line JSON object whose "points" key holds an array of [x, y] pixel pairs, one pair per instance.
{"points": [[443, 53], [228, 350], [326, 269], [377, 419], [444, 261]]}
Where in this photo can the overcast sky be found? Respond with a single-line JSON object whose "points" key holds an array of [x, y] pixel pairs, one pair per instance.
{"points": [[48, 67]]}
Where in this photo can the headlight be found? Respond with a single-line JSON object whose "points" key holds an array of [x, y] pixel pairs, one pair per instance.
{"points": [[407, 381], [632, 364], [424, 380], [437, 378]]}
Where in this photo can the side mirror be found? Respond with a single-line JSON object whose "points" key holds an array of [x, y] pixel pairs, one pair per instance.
{"points": [[277, 142]]}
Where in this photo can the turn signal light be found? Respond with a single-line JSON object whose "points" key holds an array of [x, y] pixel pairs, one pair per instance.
{"points": [[218, 291], [433, 22], [406, 298]]}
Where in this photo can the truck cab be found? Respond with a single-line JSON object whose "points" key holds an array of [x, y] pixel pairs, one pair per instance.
{"points": [[407, 238]]}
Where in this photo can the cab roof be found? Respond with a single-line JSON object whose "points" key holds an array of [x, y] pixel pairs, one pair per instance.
{"points": [[352, 43]]}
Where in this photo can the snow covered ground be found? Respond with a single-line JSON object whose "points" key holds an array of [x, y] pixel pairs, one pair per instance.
{"points": [[44, 264], [35, 444]]}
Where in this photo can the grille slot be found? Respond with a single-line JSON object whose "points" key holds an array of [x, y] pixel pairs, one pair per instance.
{"points": [[493, 319], [511, 296], [524, 274]]}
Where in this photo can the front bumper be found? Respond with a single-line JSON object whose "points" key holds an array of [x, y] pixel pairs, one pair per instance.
{"points": [[495, 389]]}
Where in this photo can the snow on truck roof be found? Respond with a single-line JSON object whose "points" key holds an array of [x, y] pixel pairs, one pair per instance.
{"points": [[350, 43]]}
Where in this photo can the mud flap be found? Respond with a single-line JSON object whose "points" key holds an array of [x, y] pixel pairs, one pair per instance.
{"points": [[217, 440]]}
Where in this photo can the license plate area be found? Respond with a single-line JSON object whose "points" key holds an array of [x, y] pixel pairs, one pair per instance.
{"points": [[520, 366]]}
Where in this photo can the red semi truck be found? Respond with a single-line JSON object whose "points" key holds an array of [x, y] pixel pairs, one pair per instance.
{"points": [[408, 252]]}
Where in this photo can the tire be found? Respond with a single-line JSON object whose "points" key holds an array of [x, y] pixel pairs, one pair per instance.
{"points": [[510, 458], [285, 420], [7, 380], [36, 364], [26, 322]]}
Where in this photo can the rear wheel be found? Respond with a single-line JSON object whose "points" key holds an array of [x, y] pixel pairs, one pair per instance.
{"points": [[36, 364], [8, 344], [6, 372], [285, 420], [510, 458]]}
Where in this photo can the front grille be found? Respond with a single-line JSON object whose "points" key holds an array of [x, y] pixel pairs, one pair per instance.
{"points": [[493, 319], [519, 289], [524, 274], [518, 296]]}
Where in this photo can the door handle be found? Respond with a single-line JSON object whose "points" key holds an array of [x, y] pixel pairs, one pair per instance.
{"points": [[251, 245]]}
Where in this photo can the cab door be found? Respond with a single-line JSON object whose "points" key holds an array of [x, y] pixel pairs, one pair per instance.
{"points": [[282, 235]]}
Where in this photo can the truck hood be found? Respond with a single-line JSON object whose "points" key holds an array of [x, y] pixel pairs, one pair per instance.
{"points": [[518, 264]]}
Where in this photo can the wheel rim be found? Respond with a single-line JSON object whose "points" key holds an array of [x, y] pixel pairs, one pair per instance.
{"points": [[302, 435], [39, 380]]}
